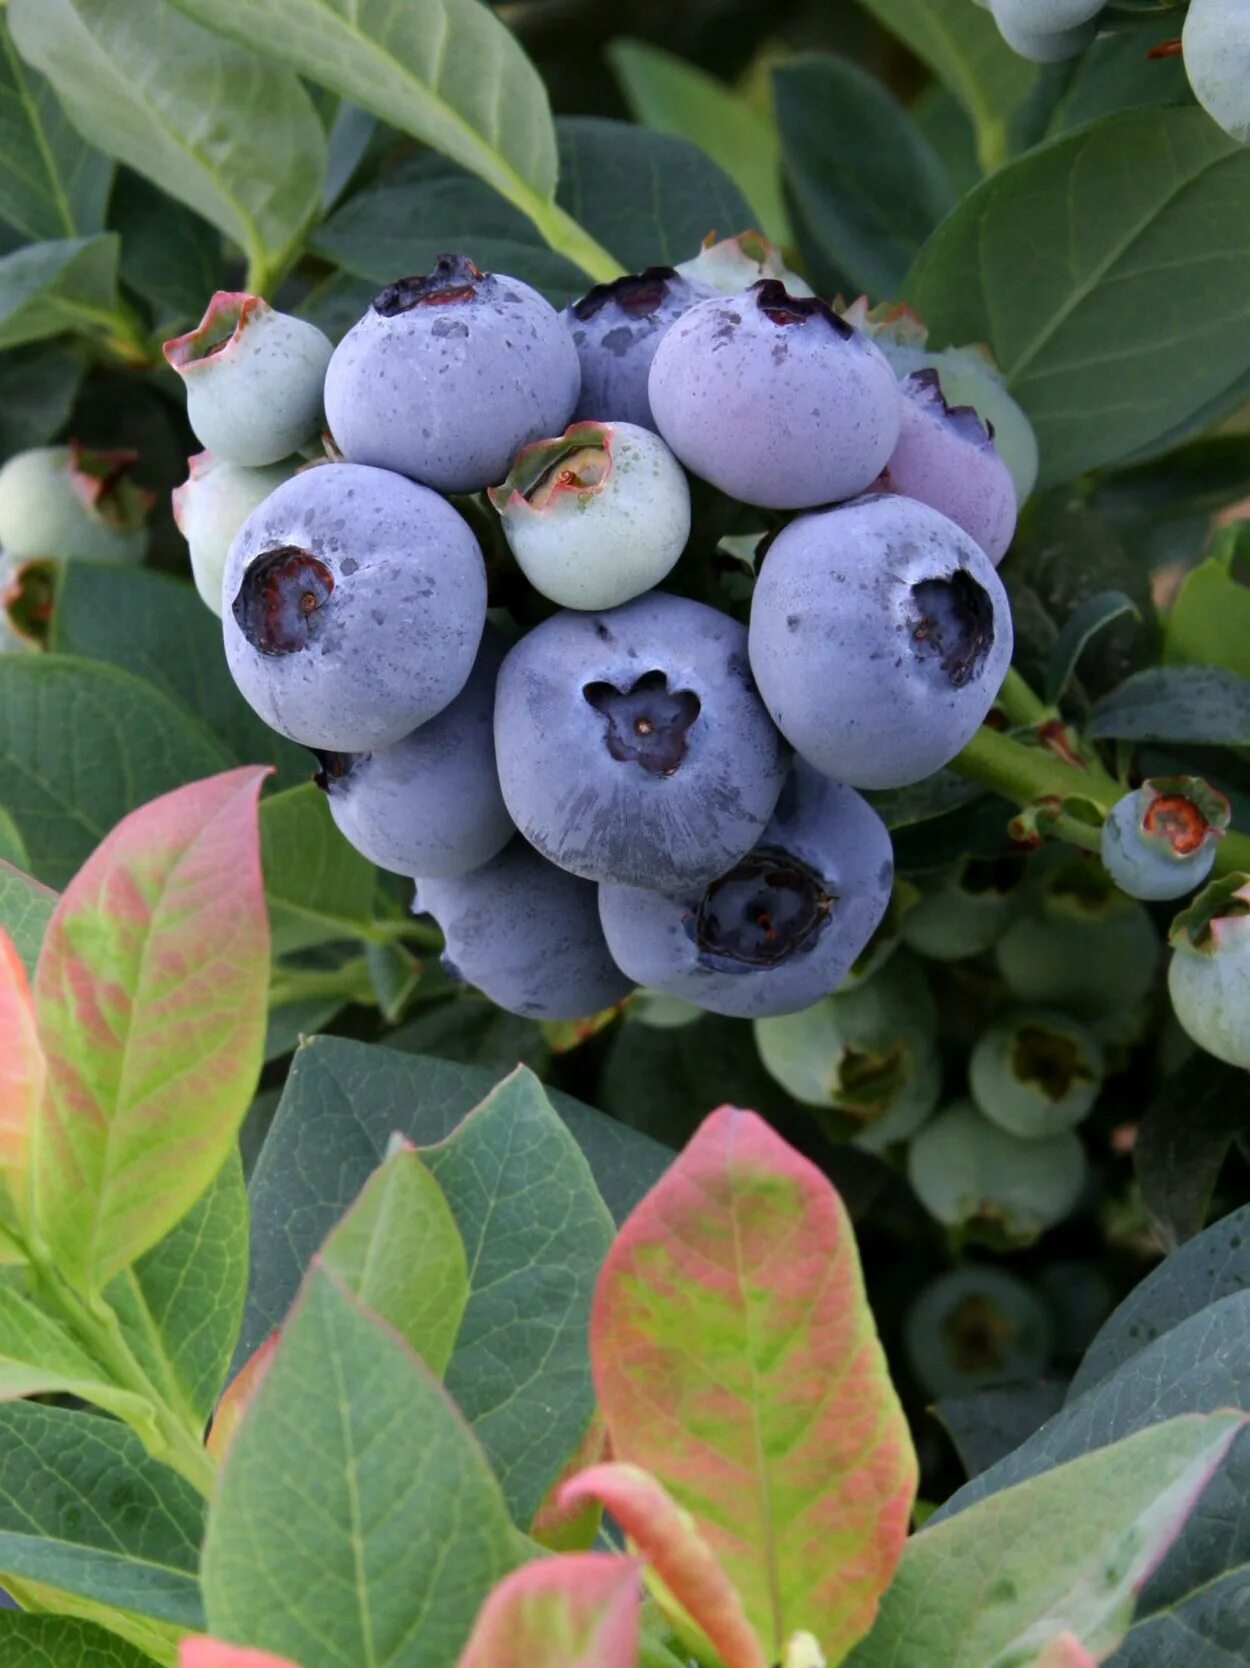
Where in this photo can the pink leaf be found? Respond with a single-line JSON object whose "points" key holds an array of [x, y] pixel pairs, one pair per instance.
{"points": [[1066, 1651], [238, 1395], [736, 1359], [211, 1653], [672, 1545], [150, 995], [576, 1611], [22, 1071]]}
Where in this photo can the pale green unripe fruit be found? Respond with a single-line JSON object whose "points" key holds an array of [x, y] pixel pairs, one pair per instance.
{"points": [[71, 504], [596, 516], [1046, 33], [1036, 1074], [735, 263], [210, 506], [975, 1327], [1216, 42], [254, 379], [1209, 976]]}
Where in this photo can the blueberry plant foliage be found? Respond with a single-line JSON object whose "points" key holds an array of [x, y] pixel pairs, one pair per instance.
{"points": [[793, 657]]}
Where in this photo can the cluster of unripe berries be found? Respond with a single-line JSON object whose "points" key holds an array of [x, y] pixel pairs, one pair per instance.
{"points": [[640, 789], [1215, 44]]}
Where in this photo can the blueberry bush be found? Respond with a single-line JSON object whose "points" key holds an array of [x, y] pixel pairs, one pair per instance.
{"points": [[624, 834]]}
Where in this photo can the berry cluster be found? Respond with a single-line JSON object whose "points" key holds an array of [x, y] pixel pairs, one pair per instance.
{"points": [[640, 788]]}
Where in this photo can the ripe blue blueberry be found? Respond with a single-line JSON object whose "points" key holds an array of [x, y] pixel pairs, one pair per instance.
{"points": [[1209, 976], [253, 379], [994, 1187], [449, 374], [355, 602], [1035, 1073], [1159, 841], [525, 934], [430, 804], [633, 746], [596, 516], [775, 399], [616, 328], [71, 504], [880, 634], [945, 458], [1217, 61], [778, 930], [975, 1327], [209, 508]]}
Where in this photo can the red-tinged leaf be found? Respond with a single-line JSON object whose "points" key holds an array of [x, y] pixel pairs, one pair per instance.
{"points": [[211, 1653], [684, 1562], [150, 996], [238, 1395], [1066, 1651], [22, 1071], [736, 1359], [578, 1611], [559, 1528]]}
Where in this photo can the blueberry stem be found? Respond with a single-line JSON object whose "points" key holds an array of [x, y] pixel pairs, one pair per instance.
{"points": [[1018, 703]]}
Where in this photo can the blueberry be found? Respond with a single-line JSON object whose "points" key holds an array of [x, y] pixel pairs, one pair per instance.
{"points": [[965, 911], [616, 328], [1035, 1074], [733, 264], [880, 634], [775, 399], [1217, 61], [973, 1328], [945, 458], [210, 506], [597, 516], [1209, 976], [253, 379], [72, 504], [633, 746], [993, 1187], [868, 1054], [355, 605], [1159, 841], [1047, 31], [430, 804], [778, 930], [449, 374], [527, 935]]}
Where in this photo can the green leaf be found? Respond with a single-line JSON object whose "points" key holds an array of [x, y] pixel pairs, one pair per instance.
{"points": [[170, 256], [1176, 703], [51, 184], [319, 888], [157, 1640], [409, 1531], [736, 1361], [669, 95], [1209, 623], [38, 1355], [210, 123], [649, 198], [535, 1231], [963, 48], [25, 910], [1193, 1119], [48, 288], [1066, 1551], [1214, 1265], [12, 847], [1064, 263], [399, 1251], [868, 186], [447, 71], [988, 1424], [405, 218], [1118, 73], [38, 386], [342, 1103], [84, 1509], [1087, 620], [1195, 479], [156, 627], [181, 1304], [63, 1642], [150, 999], [80, 746]]}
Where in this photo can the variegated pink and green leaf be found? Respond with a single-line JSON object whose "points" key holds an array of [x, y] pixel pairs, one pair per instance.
{"points": [[22, 1073], [1065, 1651], [577, 1611], [202, 1652], [150, 999], [736, 1360]]}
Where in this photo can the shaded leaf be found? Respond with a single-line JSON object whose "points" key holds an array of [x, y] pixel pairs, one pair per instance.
{"points": [[319, 888], [48, 288], [38, 386], [150, 995], [735, 1358], [1183, 1140], [535, 1232], [989, 1424], [1209, 623], [170, 255], [51, 183], [1119, 72], [63, 1642], [1176, 703], [399, 1251], [400, 1485], [1090, 617], [579, 1611]]}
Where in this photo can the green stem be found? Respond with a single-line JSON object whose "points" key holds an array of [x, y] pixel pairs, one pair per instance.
{"points": [[351, 981], [1019, 703]]}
